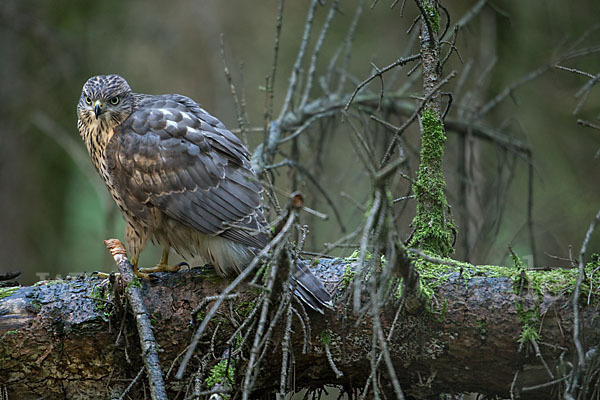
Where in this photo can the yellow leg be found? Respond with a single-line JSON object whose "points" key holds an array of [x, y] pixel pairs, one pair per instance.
{"points": [[143, 273], [137, 271], [163, 265]]}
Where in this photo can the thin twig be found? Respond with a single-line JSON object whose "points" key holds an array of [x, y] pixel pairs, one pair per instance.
{"points": [[383, 343], [128, 388], [543, 385], [315, 55], [580, 277], [588, 124], [414, 116], [285, 352], [509, 90], [469, 15], [271, 77], [425, 18], [366, 236], [530, 213], [147, 342], [538, 354], [336, 371], [249, 269], [348, 47], [238, 107], [379, 73], [287, 104]]}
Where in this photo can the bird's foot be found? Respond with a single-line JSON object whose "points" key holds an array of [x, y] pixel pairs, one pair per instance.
{"points": [[114, 276], [106, 275], [161, 268]]}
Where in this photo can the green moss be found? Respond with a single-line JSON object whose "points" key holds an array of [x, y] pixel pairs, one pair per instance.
{"points": [[559, 282], [348, 276], [134, 282], [431, 277], [433, 224], [36, 304], [399, 292], [239, 340], [102, 303], [263, 270], [245, 308], [8, 333], [531, 322], [326, 336], [222, 373], [529, 332], [433, 15], [8, 291], [530, 319]]}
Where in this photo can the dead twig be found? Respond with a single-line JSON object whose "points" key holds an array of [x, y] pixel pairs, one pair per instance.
{"points": [[378, 74], [147, 342]]}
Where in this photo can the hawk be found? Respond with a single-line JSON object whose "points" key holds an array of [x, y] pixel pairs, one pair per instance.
{"points": [[179, 177]]}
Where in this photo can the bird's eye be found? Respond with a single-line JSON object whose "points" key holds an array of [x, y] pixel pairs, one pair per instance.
{"points": [[114, 101], [88, 100]]}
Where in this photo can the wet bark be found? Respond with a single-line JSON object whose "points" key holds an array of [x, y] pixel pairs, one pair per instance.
{"points": [[69, 339]]}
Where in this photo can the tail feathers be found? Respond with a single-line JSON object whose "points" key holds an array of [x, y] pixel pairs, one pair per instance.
{"points": [[310, 290]]}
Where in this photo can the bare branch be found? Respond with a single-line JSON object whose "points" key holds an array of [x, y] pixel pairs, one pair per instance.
{"points": [[588, 124], [287, 104], [379, 73], [315, 55], [147, 342]]}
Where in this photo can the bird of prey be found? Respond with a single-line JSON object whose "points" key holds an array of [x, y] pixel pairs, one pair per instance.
{"points": [[180, 177]]}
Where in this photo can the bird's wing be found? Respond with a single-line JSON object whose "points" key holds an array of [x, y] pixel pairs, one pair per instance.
{"points": [[173, 155]]}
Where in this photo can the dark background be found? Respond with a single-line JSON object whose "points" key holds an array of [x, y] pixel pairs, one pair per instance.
{"points": [[55, 211]]}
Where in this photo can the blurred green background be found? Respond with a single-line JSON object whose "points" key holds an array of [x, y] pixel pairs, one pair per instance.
{"points": [[55, 211]]}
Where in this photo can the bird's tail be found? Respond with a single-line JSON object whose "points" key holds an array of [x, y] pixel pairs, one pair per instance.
{"points": [[309, 289]]}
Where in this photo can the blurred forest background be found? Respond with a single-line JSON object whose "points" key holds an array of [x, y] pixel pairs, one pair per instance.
{"points": [[55, 212]]}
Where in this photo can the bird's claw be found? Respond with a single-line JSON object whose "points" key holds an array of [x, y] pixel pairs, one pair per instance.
{"points": [[161, 268], [105, 275]]}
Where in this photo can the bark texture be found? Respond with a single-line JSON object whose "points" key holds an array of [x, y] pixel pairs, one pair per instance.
{"points": [[69, 339]]}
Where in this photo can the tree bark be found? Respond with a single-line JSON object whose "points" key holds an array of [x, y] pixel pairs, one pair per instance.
{"points": [[69, 339]]}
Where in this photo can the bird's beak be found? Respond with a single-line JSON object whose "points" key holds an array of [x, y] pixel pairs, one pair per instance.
{"points": [[97, 108]]}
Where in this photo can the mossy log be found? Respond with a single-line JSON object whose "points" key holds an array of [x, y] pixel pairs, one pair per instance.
{"points": [[68, 339]]}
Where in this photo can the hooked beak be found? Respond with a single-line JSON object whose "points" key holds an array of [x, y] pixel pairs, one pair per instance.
{"points": [[97, 108]]}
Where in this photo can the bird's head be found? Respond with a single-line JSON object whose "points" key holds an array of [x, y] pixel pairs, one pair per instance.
{"points": [[105, 98]]}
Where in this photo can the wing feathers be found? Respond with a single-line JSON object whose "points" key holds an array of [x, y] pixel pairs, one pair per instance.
{"points": [[177, 157]]}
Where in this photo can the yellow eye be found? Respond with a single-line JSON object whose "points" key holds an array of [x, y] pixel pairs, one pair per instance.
{"points": [[88, 100], [114, 101]]}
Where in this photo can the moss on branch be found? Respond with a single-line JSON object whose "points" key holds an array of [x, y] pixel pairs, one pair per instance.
{"points": [[433, 224]]}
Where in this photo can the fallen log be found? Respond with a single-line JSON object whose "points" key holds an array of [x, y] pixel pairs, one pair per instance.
{"points": [[485, 330]]}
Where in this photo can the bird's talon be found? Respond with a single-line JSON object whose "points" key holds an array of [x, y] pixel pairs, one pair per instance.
{"points": [[183, 263], [101, 275], [142, 275], [160, 268]]}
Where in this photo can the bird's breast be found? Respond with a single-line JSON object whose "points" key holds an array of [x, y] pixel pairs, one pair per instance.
{"points": [[97, 135]]}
